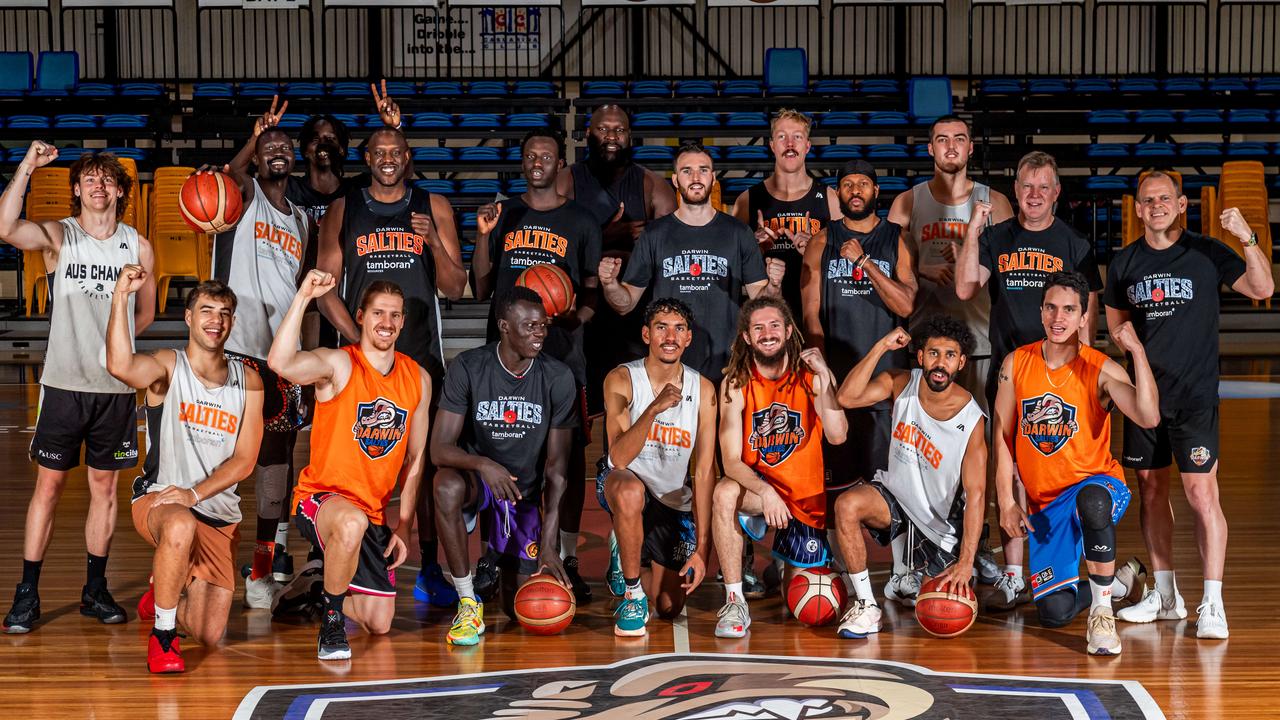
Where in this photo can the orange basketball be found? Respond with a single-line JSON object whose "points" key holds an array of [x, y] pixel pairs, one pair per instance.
{"points": [[544, 606], [942, 614], [210, 202], [815, 596], [552, 285]]}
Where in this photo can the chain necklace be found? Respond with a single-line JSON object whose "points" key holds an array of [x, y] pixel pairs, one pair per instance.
{"points": [[1049, 379]]}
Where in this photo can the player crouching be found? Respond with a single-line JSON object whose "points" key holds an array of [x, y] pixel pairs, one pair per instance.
{"points": [[204, 425], [933, 488]]}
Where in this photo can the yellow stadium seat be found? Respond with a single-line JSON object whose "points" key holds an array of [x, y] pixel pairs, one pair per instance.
{"points": [[35, 281], [1243, 185], [179, 250], [1130, 226]]}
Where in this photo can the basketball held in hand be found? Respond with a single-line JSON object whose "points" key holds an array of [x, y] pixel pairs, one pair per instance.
{"points": [[543, 606], [552, 284], [210, 202]]}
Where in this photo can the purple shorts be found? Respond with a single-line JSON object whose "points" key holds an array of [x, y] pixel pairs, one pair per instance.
{"points": [[511, 529]]}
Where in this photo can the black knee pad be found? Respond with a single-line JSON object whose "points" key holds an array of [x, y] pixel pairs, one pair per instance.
{"points": [[1058, 609], [1093, 505]]}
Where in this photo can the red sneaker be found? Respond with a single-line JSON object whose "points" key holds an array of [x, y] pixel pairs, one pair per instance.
{"points": [[163, 653], [147, 606]]}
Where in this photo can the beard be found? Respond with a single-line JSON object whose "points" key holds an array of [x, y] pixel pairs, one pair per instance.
{"points": [[766, 360], [599, 164], [334, 159], [867, 211], [687, 200], [939, 386]]}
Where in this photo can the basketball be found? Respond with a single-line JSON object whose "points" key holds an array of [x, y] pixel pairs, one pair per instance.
{"points": [[210, 202], [552, 285], [815, 596], [544, 606], [942, 614]]}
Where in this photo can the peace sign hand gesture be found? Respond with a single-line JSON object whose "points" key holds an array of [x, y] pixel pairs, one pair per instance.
{"points": [[270, 118], [388, 110]]}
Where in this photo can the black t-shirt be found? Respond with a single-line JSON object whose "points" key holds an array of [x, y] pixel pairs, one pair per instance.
{"points": [[507, 418], [313, 202], [808, 213], [1172, 298], [706, 267], [567, 237], [1020, 260], [853, 315]]}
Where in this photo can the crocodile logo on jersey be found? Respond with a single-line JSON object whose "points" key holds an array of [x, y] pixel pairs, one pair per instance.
{"points": [[379, 427], [1048, 422], [775, 433]]}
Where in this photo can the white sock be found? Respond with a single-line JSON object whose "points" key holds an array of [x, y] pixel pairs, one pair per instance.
{"points": [[1014, 570], [862, 586], [568, 544], [899, 546], [166, 619], [1213, 592], [1101, 595], [634, 592], [1165, 584], [465, 586], [733, 592], [282, 535], [1119, 589]]}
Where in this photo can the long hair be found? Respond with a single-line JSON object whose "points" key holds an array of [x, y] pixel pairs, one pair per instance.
{"points": [[106, 164], [738, 370]]}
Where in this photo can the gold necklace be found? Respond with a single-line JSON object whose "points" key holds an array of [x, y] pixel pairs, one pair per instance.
{"points": [[1048, 379]]}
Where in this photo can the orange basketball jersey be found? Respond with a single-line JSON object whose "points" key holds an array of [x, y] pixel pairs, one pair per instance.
{"points": [[782, 441], [1063, 432], [359, 437]]}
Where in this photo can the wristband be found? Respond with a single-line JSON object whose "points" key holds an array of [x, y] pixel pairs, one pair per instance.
{"points": [[861, 261], [1251, 242], [195, 494]]}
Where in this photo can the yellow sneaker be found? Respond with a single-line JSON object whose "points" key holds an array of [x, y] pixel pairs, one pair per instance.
{"points": [[468, 624]]}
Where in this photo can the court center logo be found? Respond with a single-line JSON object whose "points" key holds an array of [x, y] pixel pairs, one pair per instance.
{"points": [[1048, 422], [711, 687], [379, 427], [775, 433]]}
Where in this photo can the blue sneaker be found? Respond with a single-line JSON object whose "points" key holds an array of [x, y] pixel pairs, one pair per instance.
{"points": [[431, 587], [632, 615], [613, 578]]}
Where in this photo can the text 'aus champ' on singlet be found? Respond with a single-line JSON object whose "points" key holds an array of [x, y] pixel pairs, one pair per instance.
{"points": [[663, 462], [933, 227], [808, 213]]}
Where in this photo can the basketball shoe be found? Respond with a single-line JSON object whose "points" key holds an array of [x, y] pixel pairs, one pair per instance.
{"points": [[581, 590], [281, 564], [1010, 591], [468, 624], [147, 603], [25, 612], [1101, 634], [163, 653], [613, 577], [333, 644], [1133, 576], [1212, 622], [304, 595], [96, 602], [486, 577], [432, 587], [258, 594], [1154, 606], [734, 619], [862, 619], [903, 588], [632, 616]]}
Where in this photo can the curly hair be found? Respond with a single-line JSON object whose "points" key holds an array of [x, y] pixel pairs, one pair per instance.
{"points": [[668, 305], [738, 371], [947, 327], [106, 164]]}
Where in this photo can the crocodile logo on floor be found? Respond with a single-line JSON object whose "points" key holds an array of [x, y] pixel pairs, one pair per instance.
{"points": [[711, 687]]}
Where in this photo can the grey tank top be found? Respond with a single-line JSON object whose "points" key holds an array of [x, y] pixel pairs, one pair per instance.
{"points": [[933, 227], [83, 283], [191, 434]]}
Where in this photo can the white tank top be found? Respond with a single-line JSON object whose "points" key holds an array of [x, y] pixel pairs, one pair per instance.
{"points": [[663, 462], [261, 260], [925, 456], [83, 283], [196, 432], [933, 226]]}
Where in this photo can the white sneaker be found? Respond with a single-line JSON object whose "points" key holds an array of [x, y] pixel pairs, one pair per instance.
{"points": [[1101, 633], [734, 620], [1010, 592], [1154, 606], [903, 589], [1212, 623], [1133, 575], [261, 593], [861, 620]]}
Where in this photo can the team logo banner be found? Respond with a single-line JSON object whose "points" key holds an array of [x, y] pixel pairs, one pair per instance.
{"points": [[379, 427], [711, 687]]}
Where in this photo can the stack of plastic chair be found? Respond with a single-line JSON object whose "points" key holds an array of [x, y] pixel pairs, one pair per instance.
{"points": [[1243, 185], [131, 211], [179, 250], [1130, 226], [48, 200]]}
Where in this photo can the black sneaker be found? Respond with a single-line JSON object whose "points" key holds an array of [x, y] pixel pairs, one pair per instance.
{"points": [[281, 565], [303, 596], [26, 610], [581, 590], [333, 643], [98, 603], [752, 588], [486, 578]]}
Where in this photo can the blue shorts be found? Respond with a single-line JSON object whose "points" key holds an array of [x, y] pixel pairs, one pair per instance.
{"points": [[512, 528], [797, 544], [669, 535], [1056, 541]]}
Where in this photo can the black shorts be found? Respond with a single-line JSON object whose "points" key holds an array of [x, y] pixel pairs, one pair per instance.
{"points": [[669, 535], [923, 555], [864, 452], [1189, 437], [282, 406], [373, 574], [105, 423]]}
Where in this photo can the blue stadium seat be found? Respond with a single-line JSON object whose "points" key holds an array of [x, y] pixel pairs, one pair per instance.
{"points": [[887, 117], [1267, 83], [604, 88], [512, 153], [480, 154], [920, 150], [1202, 116], [479, 120], [527, 120], [654, 152], [1100, 150], [27, 122], [1107, 117], [349, 88], [741, 88], [893, 183], [840, 119], [928, 99], [304, 90], [297, 156], [738, 185], [1047, 86], [650, 89], [1092, 85], [370, 120], [715, 151], [534, 88], [56, 74], [401, 88], [747, 152], [480, 187], [442, 88], [258, 89], [212, 90], [433, 154], [1155, 149], [74, 120], [1195, 182], [887, 150], [829, 180], [1137, 85], [15, 74], [1183, 85], [355, 154], [839, 152], [879, 86], [348, 119], [1235, 149], [1164, 117], [832, 87], [786, 71], [431, 120], [652, 120], [70, 153], [1248, 115], [699, 120], [16, 154], [517, 186], [469, 223], [746, 120], [133, 153], [95, 90], [1228, 84], [1200, 148], [437, 186], [292, 120], [1106, 182], [141, 89], [1000, 86], [695, 88], [487, 88], [119, 120]]}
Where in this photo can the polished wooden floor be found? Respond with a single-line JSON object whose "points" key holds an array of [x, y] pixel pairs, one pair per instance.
{"points": [[72, 667]]}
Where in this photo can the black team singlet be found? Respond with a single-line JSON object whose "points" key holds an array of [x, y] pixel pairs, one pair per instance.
{"points": [[790, 215]]}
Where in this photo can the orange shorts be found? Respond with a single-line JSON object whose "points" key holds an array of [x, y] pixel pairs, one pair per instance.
{"points": [[213, 553]]}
